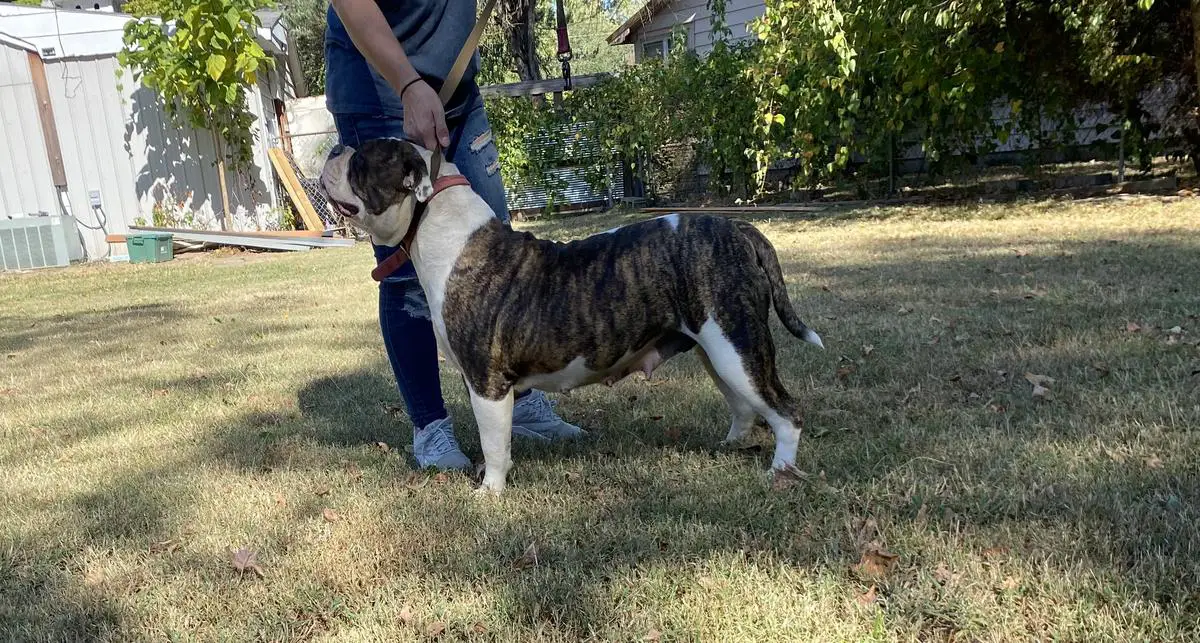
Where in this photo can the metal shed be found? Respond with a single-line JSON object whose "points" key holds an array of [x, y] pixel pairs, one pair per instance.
{"points": [[75, 141]]}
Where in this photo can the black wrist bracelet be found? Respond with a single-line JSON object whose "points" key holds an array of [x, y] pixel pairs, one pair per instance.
{"points": [[407, 85]]}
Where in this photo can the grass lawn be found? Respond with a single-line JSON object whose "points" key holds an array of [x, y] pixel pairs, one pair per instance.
{"points": [[154, 418]]}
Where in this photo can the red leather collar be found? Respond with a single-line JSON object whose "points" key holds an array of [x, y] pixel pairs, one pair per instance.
{"points": [[401, 256]]}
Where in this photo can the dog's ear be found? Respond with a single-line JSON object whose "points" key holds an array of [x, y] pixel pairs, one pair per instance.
{"points": [[416, 174]]}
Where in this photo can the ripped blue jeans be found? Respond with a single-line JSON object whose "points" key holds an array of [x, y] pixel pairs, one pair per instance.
{"points": [[403, 311]]}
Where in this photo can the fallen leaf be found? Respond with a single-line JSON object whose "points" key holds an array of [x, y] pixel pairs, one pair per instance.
{"points": [[826, 288], [161, 392], [435, 629], [673, 434], [244, 559], [994, 552], [867, 349], [868, 597], [329, 515], [321, 490], [904, 310], [1009, 584], [876, 562], [1039, 380], [943, 574], [441, 478], [280, 500], [572, 476], [783, 479], [164, 547], [652, 635], [1132, 327], [393, 410], [655, 418], [1041, 392], [845, 371], [527, 559], [353, 471], [1102, 368], [997, 408], [382, 446], [479, 628], [406, 615], [1154, 462]]}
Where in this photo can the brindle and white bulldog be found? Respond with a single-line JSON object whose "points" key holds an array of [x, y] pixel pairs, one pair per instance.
{"points": [[513, 312]]}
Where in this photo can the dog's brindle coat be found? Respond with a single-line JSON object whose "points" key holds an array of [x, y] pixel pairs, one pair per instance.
{"points": [[513, 312]]}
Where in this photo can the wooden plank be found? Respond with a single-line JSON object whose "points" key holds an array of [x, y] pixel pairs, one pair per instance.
{"points": [[268, 235], [743, 209], [46, 114], [541, 87], [295, 190]]}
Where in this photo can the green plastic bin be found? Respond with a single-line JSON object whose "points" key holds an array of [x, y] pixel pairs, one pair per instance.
{"points": [[150, 247]]}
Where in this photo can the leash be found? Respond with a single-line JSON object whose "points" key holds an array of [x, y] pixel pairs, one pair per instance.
{"points": [[456, 73], [402, 255]]}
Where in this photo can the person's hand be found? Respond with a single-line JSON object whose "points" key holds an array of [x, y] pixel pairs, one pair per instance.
{"points": [[424, 116]]}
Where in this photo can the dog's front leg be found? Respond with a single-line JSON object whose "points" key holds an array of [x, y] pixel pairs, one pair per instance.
{"points": [[494, 418]]}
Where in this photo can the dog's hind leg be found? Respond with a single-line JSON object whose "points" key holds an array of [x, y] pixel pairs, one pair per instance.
{"points": [[741, 409], [494, 418], [747, 369]]}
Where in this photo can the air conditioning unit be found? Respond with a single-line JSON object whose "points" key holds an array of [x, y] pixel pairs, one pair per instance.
{"points": [[34, 242]]}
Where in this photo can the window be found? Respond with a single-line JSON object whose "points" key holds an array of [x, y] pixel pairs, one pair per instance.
{"points": [[660, 46], [654, 49]]}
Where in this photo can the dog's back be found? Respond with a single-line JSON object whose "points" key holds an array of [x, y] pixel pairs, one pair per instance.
{"points": [[526, 307]]}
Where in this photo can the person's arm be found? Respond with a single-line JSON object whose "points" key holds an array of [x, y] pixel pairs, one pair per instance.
{"points": [[424, 116]]}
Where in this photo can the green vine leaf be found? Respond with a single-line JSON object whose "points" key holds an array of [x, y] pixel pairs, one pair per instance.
{"points": [[216, 66]]}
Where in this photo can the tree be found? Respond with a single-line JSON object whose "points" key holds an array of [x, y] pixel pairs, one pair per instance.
{"points": [[201, 56]]}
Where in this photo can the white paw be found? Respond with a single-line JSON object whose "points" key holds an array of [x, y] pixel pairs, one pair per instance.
{"points": [[490, 488]]}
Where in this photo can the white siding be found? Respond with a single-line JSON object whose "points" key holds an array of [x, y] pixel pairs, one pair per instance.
{"points": [[695, 16], [121, 142], [26, 185], [87, 112]]}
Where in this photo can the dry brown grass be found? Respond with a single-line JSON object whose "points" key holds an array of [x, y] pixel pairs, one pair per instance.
{"points": [[156, 417]]}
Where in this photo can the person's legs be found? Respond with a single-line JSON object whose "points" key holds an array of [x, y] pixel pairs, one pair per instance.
{"points": [[408, 333]]}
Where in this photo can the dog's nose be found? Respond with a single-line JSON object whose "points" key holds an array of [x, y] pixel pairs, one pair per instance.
{"points": [[337, 150]]}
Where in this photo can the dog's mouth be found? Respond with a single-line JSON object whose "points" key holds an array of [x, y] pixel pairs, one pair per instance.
{"points": [[347, 210]]}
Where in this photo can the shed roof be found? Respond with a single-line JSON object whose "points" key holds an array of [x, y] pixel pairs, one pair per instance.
{"points": [[71, 33], [625, 34], [13, 41]]}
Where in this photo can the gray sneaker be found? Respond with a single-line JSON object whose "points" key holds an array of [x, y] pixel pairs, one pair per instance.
{"points": [[534, 417], [435, 446]]}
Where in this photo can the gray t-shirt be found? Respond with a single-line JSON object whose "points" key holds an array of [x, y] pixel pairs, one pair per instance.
{"points": [[431, 31]]}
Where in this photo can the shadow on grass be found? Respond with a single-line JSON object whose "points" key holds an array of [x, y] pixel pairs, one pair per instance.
{"points": [[923, 435]]}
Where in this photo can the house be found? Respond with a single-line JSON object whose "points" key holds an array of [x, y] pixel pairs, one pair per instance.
{"points": [[77, 141], [651, 27]]}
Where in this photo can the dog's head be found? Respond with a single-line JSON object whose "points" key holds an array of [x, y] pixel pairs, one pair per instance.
{"points": [[375, 186]]}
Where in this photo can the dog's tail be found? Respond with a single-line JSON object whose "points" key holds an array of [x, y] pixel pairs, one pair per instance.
{"points": [[769, 262]]}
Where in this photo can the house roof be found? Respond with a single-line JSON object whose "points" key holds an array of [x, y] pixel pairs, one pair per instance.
{"points": [[628, 29], [13, 41], [69, 33]]}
